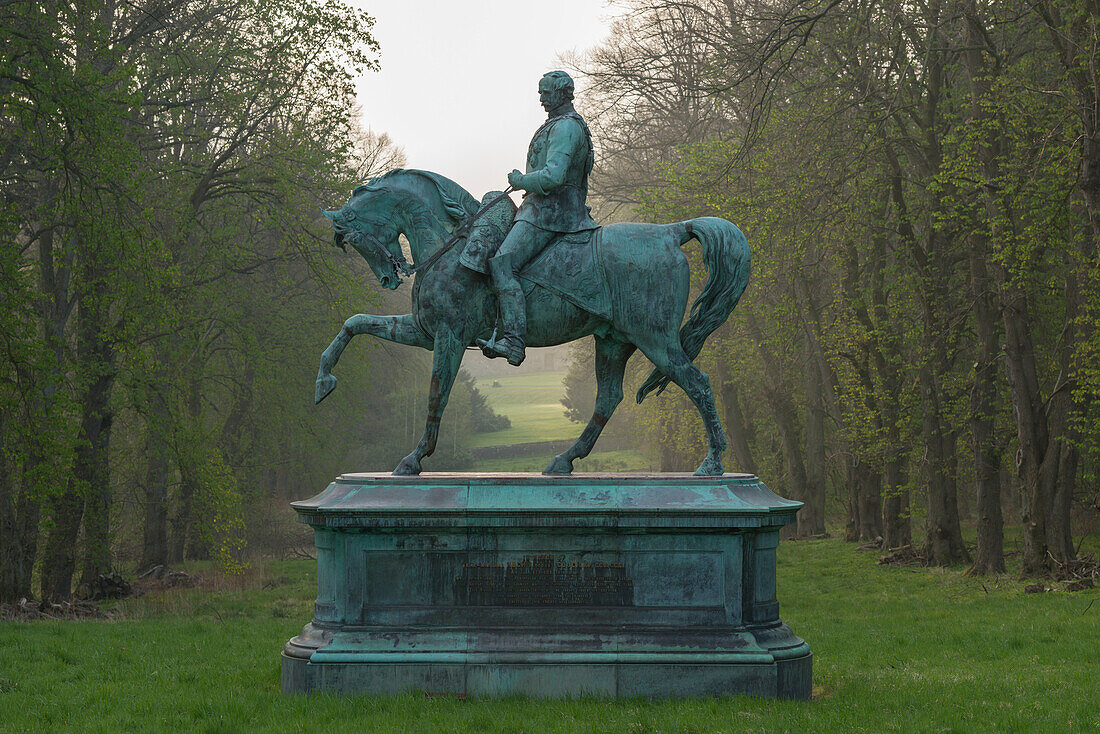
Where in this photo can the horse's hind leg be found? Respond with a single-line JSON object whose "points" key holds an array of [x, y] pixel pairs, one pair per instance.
{"points": [[400, 329], [611, 357], [671, 359]]}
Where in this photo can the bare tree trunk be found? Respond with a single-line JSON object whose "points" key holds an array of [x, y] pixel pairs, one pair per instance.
{"points": [[1061, 450], [154, 542], [1042, 441], [67, 507], [154, 536], [870, 503], [1040, 424], [864, 502], [739, 433], [931, 255], [888, 360], [896, 528], [943, 537], [983, 395], [231, 439], [821, 389], [181, 523], [865, 476], [92, 468], [943, 540], [10, 555], [18, 533], [59, 559], [851, 523], [28, 510], [943, 533], [1031, 427], [989, 557], [778, 398], [811, 518], [189, 488], [1059, 528]]}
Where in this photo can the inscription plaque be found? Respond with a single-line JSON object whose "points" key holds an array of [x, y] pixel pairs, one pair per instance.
{"points": [[545, 581]]}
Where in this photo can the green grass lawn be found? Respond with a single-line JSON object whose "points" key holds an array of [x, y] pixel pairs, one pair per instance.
{"points": [[896, 649], [533, 403]]}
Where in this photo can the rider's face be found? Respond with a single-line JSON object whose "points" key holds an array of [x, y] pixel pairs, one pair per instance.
{"points": [[550, 98]]}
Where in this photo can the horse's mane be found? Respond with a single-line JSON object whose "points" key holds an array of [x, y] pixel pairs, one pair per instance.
{"points": [[457, 201]]}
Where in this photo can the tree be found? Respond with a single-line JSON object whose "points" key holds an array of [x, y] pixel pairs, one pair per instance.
{"points": [[897, 174], [133, 151]]}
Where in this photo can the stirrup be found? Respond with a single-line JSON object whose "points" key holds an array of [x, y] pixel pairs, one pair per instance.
{"points": [[510, 347]]}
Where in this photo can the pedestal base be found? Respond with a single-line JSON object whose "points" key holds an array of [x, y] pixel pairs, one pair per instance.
{"points": [[499, 585], [783, 679]]}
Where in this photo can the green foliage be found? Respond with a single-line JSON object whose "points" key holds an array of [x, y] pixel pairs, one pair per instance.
{"points": [[866, 158], [160, 189], [217, 501], [483, 419]]}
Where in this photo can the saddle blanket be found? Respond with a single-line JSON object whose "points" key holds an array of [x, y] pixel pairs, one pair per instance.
{"points": [[570, 266]]}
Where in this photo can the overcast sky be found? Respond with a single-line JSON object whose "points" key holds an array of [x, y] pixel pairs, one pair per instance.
{"points": [[458, 88]]}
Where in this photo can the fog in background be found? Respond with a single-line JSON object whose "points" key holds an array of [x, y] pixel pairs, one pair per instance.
{"points": [[458, 84]]}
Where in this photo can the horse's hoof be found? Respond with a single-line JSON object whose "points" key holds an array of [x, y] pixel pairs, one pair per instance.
{"points": [[710, 468], [560, 465], [325, 385], [409, 467]]}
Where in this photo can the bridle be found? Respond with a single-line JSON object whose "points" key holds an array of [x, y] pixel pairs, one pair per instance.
{"points": [[401, 265]]}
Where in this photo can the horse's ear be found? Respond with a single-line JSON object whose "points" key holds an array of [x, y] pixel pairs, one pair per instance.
{"points": [[331, 215]]}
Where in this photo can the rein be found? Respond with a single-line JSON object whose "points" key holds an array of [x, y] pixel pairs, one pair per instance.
{"points": [[402, 266]]}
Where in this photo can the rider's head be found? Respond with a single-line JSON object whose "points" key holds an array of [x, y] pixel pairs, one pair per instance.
{"points": [[555, 89]]}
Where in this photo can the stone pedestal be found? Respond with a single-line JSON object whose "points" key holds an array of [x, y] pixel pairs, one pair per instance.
{"points": [[519, 584]]}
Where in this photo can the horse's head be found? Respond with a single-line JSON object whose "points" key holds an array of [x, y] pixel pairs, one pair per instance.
{"points": [[422, 205], [374, 235]]}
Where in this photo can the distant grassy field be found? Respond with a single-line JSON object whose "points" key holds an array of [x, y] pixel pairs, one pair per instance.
{"points": [[895, 649], [533, 403], [620, 460]]}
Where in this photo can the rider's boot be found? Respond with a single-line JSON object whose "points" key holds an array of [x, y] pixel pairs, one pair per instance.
{"points": [[513, 314]]}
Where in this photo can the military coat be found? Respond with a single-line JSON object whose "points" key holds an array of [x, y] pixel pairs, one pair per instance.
{"points": [[559, 160]]}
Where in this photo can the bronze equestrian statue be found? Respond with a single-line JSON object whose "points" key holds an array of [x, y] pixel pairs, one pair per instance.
{"points": [[555, 277]]}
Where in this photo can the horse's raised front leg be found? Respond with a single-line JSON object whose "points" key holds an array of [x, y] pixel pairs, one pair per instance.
{"points": [[400, 329], [447, 358], [611, 357]]}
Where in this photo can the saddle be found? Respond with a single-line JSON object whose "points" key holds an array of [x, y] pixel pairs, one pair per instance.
{"points": [[569, 266]]}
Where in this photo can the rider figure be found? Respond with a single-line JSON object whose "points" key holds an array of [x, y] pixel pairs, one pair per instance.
{"points": [[559, 160]]}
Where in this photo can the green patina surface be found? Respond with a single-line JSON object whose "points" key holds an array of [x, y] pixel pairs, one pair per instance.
{"points": [[620, 585], [555, 277]]}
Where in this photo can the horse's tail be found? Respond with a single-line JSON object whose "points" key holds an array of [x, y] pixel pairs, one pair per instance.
{"points": [[726, 254]]}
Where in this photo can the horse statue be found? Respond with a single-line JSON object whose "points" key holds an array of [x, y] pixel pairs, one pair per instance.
{"points": [[626, 284]]}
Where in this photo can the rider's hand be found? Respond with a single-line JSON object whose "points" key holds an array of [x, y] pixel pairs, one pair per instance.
{"points": [[514, 179]]}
